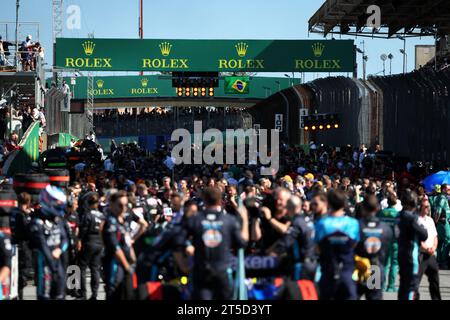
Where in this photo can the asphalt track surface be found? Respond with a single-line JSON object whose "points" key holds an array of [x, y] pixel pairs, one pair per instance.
{"points": [[30, 291]]}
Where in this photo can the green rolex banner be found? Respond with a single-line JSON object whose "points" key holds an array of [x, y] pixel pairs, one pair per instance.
{"points": [[237, 85], [206, 55]]}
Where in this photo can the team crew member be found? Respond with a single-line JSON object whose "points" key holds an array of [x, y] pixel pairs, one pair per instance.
{"points": [[5, 257], [390, 216], [19, 221], [91, 245], [50, 240], [299, 240], [319, 206], [411, 235], [428, 263], [376, 237], [214, 234], [119, 254], [337, 236]]}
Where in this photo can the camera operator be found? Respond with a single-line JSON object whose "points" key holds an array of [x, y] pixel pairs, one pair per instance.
{"points": [[148, 204], [298, 242], [275, 221], [231, 200]]}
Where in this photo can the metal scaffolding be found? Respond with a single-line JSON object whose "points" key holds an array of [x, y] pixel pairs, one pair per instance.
{"points": [[90, 103]]}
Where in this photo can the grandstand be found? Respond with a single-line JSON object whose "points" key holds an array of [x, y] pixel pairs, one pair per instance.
{"points": [[407, 17]]}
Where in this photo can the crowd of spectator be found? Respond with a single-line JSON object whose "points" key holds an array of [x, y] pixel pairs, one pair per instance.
{"points": [[27, 53], [348, 188]]}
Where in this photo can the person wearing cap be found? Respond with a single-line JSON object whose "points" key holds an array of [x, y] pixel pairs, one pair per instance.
{"points": [[309, 183], [26, 53], [2, 53], [288, 183]]}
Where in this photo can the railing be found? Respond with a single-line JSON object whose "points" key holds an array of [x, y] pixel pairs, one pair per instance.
{"points": [[15, 61]]}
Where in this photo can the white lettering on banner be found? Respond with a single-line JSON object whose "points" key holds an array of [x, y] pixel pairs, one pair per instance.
{"points": [[256, 262], [279, 122]]}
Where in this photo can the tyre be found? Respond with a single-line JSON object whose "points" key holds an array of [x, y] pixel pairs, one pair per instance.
{"points": [[30, 183], [8, 201], [58, 177]]}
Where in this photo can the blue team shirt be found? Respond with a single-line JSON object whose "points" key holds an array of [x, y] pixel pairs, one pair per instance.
{"points": [[337, 237]]}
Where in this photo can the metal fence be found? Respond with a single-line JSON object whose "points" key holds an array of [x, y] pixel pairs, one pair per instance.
{"points": [[59, 120], [407, 114]]}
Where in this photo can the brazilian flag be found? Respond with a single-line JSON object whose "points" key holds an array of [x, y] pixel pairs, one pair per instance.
{"points": [[237, 85]]}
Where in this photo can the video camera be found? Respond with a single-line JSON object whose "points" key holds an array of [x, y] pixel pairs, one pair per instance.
{"points": [[253, 205]]}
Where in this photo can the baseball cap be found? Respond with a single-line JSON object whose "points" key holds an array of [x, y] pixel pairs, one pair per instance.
{"points": [[309, 176]]}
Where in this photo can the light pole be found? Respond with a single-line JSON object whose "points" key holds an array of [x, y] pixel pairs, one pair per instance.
{"points": [[17, 34], [141, 24], [390, 56], [364, 58], [405, 59], [403, 51], [383, 58], [292, 79]]}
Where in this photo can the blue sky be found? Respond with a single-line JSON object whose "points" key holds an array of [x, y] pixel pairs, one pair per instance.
{"points": [[198, 19]]}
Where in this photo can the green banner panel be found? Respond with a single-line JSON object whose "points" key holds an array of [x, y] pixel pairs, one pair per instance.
{"points": [[113, 87], [20, 161], [206, 55]]}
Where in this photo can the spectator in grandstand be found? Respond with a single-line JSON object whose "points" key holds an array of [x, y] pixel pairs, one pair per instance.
{"points": [[27, 118], [65, 87], [13, 143], [91, 136], [113, 146], [26, 53], [39, 53], [2, 53], [42, 120]]}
